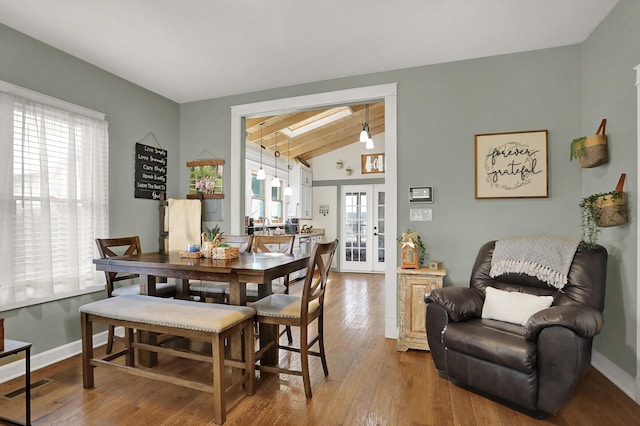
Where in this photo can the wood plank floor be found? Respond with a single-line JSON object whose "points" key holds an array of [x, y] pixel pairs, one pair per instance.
{"points": [[370, 383]]}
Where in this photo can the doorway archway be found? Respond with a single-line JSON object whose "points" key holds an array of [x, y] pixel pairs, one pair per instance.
{"points": [[387, 92]]}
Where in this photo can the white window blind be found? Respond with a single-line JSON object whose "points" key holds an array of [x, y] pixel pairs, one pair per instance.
{"points": [[53, 200]]}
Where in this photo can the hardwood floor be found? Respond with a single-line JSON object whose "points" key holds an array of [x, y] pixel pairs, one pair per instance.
{"points": [[370, 383]]}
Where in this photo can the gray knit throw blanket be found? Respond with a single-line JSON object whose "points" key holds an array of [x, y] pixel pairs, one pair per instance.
{"points": [[547, 258]]}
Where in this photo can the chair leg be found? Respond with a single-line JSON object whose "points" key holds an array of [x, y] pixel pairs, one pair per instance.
{"points": [[286, 327], [110, 338], [289, 335], [304, 362], [323, 357]]}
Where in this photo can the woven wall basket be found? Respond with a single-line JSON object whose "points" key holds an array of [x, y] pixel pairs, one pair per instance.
{"points": [[595, 148], [611, 209]]}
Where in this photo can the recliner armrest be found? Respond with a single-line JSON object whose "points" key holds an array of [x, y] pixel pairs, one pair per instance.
{"points": [[583, 320], [461, 303]]}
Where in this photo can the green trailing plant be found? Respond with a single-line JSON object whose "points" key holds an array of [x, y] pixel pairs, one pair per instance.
{"points": [[590, 230], [577, 148], [591, 215], [415, 239]]}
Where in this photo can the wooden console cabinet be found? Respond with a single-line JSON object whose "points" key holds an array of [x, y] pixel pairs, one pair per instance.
{"points": [[413, 284]]}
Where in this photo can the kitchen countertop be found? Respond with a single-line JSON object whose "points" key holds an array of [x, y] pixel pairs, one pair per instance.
{"points": [[314, 232]]}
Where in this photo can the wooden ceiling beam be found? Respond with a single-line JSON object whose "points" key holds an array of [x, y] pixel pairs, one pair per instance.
{"points": [[339, 143], [312, 140], [331, 136]]}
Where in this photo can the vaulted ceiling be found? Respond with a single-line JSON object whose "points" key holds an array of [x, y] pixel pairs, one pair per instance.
{"points": [[308, 134], [199, 49]]}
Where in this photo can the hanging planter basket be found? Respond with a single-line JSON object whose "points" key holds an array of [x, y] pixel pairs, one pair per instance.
{"points": [[591, 151], [610, 209]]}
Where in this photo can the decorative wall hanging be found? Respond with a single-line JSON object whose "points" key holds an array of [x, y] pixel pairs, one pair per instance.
{"points": [[512, 165], [205, 178], [372, 163], [151, 171], [591, 151]]}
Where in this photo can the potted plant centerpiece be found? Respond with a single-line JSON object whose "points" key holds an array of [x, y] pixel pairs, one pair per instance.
{"points": [[413, 249], [211, 238]]}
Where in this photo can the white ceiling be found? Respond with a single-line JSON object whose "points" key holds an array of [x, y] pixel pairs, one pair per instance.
{"points": [[189, 50]]}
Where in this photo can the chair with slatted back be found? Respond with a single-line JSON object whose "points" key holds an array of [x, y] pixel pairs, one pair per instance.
{"points": [[296, 311], [125, 246], [218, 291], [272, 244]]}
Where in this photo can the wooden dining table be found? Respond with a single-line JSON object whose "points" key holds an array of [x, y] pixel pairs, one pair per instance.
{"points": [[260, 268]]}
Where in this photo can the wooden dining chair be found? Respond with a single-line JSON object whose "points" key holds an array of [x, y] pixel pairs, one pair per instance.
{"points": [[218, 291], [125, 246], [300, 311], [271, 244]]}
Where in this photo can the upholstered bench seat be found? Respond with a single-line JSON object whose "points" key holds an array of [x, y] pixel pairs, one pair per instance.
{"points": [[206, 322], [175, 313]]}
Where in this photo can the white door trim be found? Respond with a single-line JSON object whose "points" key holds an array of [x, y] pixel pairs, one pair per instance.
{"points": [[388, 92]]}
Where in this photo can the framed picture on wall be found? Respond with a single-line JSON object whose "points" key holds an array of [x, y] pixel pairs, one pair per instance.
{"points": [[372, 163], [512, 165]]}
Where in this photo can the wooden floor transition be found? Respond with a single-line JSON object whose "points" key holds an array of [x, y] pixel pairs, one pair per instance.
{"points": [[370, 383]]}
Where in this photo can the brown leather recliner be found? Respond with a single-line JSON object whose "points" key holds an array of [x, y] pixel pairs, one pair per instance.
{"points": [[531, 368]]}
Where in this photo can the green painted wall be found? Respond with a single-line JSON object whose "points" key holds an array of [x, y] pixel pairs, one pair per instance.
{"points": [[132, 112], [442, 107], [608, 91]]}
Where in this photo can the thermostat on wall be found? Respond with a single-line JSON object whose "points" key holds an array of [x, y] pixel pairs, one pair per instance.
{"points": [[421, 194]]}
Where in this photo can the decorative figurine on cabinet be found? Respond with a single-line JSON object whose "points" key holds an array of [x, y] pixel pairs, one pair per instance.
{"points": [[413, 250]]}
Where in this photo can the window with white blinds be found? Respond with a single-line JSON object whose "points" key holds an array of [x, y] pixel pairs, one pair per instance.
{"points": [[53, 199]]}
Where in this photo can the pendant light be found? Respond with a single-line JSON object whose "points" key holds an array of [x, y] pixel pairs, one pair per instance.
{"points": [[364, 134], [261, 174], [275, 182], [288, 190], [369, 144]]}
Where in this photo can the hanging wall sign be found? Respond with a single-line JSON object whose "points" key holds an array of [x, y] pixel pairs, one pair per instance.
{"points": [[151, 172]]}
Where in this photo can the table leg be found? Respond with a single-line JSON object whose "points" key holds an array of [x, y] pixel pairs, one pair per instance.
{"points": [[268, 332], [148, 285], [27, 386], [237, 296], [182, 288], [148, 359]]}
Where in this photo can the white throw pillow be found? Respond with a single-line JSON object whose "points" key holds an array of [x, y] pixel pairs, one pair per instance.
{"points": [[513, 306]]}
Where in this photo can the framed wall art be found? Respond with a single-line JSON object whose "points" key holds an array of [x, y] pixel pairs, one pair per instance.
{"points": [[205, 178], [372, 163], [512, 165]]}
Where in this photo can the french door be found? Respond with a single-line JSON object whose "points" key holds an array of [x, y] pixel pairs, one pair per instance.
{"points": [[362, 230]]}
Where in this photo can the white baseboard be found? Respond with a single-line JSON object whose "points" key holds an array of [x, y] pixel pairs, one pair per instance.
{"points": [[617, 376], [44, 359]]}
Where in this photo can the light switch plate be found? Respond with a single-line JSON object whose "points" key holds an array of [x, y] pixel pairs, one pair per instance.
{"points": [[420, 215]]}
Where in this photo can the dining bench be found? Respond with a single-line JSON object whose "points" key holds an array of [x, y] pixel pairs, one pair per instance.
{"points": [[205, 322]]}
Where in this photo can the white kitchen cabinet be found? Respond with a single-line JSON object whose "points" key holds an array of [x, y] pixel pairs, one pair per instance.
{"points": [[306, 176], [300, 203], [306, 195]]}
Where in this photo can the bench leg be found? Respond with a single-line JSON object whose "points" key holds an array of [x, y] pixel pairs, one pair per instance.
{"points": [[219, 389], [128, 339], [87, 352]]}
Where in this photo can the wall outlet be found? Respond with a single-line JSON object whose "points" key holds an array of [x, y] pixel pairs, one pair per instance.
{"points": [[420, 215]]}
